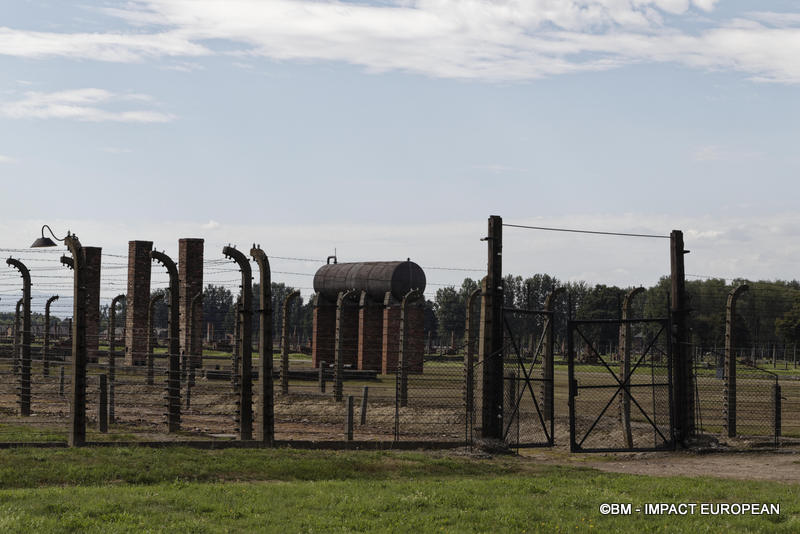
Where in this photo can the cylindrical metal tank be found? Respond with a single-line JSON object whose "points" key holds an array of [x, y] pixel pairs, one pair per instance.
{"points": [[374, 277]]}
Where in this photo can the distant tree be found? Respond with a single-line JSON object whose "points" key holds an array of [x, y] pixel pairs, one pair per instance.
{"points": [[218, 303]]}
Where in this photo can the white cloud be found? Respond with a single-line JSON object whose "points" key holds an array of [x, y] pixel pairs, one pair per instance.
{"points": [[6, 159], [211, 225], [81, 104], [470, 39]]}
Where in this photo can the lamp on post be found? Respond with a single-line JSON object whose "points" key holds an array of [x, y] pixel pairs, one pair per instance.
{"points": [[77, 412]]}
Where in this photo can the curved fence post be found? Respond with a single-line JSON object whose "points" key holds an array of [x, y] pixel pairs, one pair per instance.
{"points": [[25, 351], [245, 343], [46, 344], [730, 360], [112, 353], [173, 358], [266, 412]]}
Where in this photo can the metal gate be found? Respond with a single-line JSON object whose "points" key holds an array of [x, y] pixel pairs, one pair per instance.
{"points": [[629, 409], [528, 386]]}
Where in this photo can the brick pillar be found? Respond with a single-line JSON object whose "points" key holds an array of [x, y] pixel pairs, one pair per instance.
{"points": [[348, 326], [370, 333], [323, 334], [137, 302], [190, 273], [415, 330], [391, 334], [92, 262]]}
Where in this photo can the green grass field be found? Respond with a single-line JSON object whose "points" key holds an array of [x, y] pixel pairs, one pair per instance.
{"points": [[185, 490]]}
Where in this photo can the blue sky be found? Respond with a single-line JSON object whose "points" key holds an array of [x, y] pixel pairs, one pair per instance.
{"points": [[393, 129]]}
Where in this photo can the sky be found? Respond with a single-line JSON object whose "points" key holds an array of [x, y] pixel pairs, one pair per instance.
{"points": [[392, 129]]}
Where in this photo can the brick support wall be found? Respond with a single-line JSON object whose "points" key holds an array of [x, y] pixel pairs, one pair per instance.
{"points": [[190, 274], [91, 260], [348, 326], [391, 335], [323, 334], [370, 333], [415, 343], [137, 302]]}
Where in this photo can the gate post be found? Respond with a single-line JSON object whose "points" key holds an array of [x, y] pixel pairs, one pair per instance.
{"points": [[730, 360], [492, 335], [548, 408], [173, 388], [625, 357], [77, 411], [24, 354], [683, 390], [246, 344]]}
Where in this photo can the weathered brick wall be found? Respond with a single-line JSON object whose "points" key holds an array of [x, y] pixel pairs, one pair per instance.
{"points": [[190, 273], [370, 333], [91, 259], [323, 333], [137, 302], [391, 335], [415, 334], [348, 330]]}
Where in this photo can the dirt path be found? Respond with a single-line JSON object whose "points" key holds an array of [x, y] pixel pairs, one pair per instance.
{"points": [[774, 466]]}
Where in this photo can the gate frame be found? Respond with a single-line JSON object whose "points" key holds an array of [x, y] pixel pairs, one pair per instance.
{"points": [[666, 330], [528, 379]]}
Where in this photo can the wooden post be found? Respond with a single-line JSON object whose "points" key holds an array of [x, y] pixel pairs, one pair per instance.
{"points": [[364, 394], [730, 360], [102, 415], [349, 419], [683, 382], [77, 412], [492, 335]]}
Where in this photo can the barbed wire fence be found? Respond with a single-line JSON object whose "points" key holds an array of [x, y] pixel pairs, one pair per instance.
{"points": [[130, 403]]}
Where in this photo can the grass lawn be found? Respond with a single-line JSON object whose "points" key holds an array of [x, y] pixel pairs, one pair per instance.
{"points": [[185, 490]]}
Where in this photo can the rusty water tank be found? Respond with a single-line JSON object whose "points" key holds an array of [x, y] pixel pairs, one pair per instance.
{"points": [[374, 277]]}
